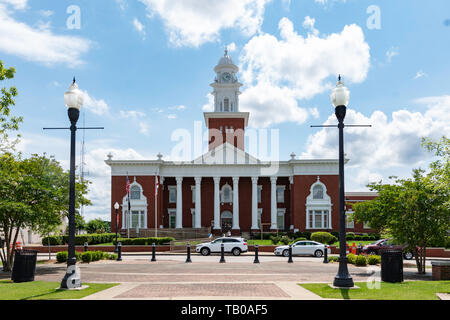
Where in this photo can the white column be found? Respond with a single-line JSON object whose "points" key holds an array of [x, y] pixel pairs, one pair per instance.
{"points": [[198, 202], [235, 203], [216, 203], [273, 203], [179, 215], [255, 203]]}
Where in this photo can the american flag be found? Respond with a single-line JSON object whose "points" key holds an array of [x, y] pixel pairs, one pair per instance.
{"points": [[128, 193], [156, 185]]}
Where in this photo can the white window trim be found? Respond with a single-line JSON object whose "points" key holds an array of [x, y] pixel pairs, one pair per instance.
{"points": [[314, 218], [193, 193], [318, 204], [350, 224], [172, 212], [284, 190], [281, 212], [260, 187], [136, 205], [222, 192], [174, 188]]}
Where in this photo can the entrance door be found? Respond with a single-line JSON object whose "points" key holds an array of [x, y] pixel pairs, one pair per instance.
{"points": [[226, 221]]}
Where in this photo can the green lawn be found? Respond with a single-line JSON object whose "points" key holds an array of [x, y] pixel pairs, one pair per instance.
{"points": [[42, 290], [414, 290]]}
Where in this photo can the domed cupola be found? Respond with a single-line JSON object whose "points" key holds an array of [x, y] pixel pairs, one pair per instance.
{"points": [[226, 64]]}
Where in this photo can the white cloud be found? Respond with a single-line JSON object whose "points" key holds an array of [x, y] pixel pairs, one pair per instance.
{"points": [[195, 22], [131, 114], [46, 13], [279, 72], [143, 128], [139, 27], [16, 4], [391, 53], [390, 146], [231, 47], [98, 107], [420, 74], [38, 44], [172, 116]]}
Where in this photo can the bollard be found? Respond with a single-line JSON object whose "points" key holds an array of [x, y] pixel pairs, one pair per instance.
{"points": [[290, 254], [188, 259], [86, 247], [119, 251], [325, 254], [222, 253], [256, 254], [153, 252]]}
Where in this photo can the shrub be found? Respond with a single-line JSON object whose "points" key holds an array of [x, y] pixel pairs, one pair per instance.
{"points": [[351, 258], [275, 239], [86, 257], [361, 260], [110, 256], [335, 234], [373, 259], [285, 240], [62, 256], [357, 237], [350, 236], [299, 239], [97, 255], [323, 237], [333, 258], [144, 241]]}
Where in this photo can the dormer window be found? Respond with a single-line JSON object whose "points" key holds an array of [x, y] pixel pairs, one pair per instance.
{"points": [[135, 193], [317, 192]]}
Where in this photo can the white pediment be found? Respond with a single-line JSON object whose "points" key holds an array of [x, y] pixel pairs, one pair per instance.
{"points": [[226, 153]]}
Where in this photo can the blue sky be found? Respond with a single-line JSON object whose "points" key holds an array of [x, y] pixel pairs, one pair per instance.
{"points": [[145, 67]]}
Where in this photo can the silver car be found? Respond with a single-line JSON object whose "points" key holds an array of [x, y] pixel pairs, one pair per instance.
{"points": [[303, 247]]}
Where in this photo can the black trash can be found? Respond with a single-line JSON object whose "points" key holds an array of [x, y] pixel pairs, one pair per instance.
{"points": [[24, 266], [392, 266]]}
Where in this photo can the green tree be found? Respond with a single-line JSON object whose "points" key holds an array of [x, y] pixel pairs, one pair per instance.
{"points": [[413, 211], [98, 226], [7, 122], [33, 194]]}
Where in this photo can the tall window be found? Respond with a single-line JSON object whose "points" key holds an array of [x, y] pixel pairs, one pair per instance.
{"points": [[318, 192], [136, 220], [318, 219], [280, 218], [259, 193], [350, 222], [280, 194], [227, 194], [172, 219], [226, 104], [172, 194], [135, 193]]}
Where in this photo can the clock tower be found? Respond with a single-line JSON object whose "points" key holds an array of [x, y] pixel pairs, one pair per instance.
{"points": [[226, 123]]}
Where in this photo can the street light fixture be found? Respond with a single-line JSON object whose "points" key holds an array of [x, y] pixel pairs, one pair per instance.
{"points": [[73, 99], [340, 98], [116, 207]]}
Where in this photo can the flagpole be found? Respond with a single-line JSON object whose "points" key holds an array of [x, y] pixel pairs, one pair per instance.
{"points": [[156, 206]]}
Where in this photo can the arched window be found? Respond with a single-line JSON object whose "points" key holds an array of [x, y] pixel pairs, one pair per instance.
{"points": [[226, 104], [317, 192], [226, 194], [135, 193]]}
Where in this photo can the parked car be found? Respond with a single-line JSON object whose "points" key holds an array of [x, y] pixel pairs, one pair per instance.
{"points": [[304, 247], [236, 246], [385, 244]]}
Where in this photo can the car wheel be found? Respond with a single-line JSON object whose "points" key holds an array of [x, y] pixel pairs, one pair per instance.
{"points": [[372, 253], [236, 252], [205, 252], [318, 253], [286, 253], [408, 255]]}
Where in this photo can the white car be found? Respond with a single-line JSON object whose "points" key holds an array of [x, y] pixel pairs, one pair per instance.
{"points": [[234, 245], [304, 247]]}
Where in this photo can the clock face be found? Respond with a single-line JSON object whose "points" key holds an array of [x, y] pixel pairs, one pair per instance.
{"points": [[226, 76]]}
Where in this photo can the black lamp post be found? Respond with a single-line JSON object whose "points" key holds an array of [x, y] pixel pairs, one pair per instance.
{"points": [[74, 100], [340, 97], [116, 207]]}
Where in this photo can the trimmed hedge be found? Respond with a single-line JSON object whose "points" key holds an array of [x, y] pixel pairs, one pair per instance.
{"points": [[323, 237], [361, 260], [91, 239], [87, 256], [144, 241], [351, 258], [333, 258], [373, 260]]}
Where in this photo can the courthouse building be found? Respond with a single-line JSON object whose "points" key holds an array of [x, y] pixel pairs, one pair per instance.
{"points": [[228, 189]]}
